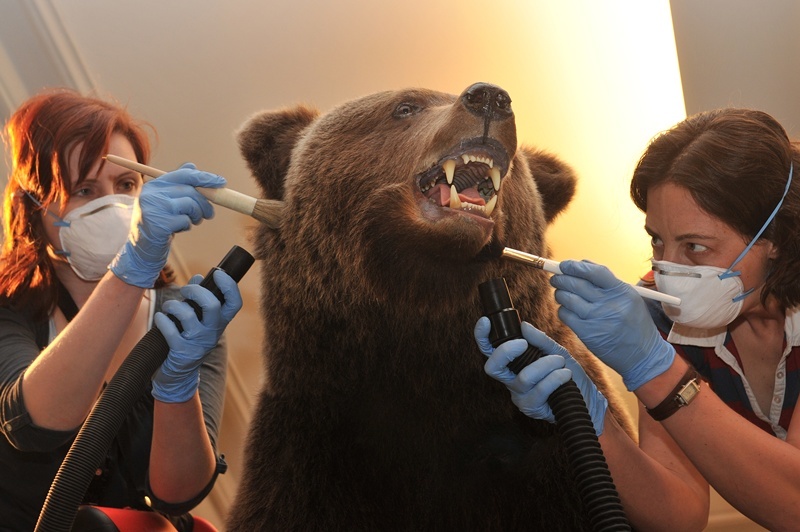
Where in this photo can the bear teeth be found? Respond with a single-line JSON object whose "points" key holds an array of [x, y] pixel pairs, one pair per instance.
{"points": [[467, 158], [460, 175], [494, 173], [449, 167], [456, 203]]}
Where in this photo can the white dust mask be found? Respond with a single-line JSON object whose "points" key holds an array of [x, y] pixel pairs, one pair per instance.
{"points": [[711, 297], [92, 234]]}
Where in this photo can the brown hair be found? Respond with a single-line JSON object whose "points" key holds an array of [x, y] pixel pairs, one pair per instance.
{"points": [[735, 163], [40, 136]]}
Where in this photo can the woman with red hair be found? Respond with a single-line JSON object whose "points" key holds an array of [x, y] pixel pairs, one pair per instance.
{"points": [[83, 277]]}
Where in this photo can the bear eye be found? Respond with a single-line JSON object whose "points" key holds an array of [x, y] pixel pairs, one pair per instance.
{"points": [[405, 110]]}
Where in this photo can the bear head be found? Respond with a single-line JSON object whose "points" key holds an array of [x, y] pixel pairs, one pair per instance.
{"points": [[412, 186]]}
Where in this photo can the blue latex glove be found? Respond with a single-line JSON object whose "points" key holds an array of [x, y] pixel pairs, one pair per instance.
{"points": [[167, 205], [531, 388], [178, 377], [610, 317]]}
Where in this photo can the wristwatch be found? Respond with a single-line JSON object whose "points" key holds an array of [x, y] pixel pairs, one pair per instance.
{"points": [[683, 394]]}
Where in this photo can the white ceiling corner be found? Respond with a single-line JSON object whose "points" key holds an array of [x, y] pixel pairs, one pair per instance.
{"points": [[35, 51], [56, 42], [12, 88]]}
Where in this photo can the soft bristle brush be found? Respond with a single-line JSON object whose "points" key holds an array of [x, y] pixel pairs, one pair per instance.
{"points": [[266, 211]]}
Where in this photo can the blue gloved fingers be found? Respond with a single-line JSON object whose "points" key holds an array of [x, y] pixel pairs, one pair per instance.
{"points": [[186, 315], [534, 402], [539, 339], [569, 318], [574, 302], [193, 207], [164, 199], [496, 364], [596, 402], [157, 227], [230, 292], [537, 375], [596, 274], [589, 283], [534, 337], [580, 289], [196, 279], [187, 174], [481, 334], [167, 327], [209, 305]]}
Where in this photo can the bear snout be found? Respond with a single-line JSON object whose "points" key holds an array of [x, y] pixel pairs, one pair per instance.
{"points": [[487, 101]]}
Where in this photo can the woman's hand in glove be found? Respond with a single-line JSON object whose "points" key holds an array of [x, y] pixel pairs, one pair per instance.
{"points": [[611, 319], [178, 377], [166, 205], [532, 387]]}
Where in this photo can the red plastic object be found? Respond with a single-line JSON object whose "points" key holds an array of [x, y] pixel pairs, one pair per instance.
{"points": [[102, 519]]}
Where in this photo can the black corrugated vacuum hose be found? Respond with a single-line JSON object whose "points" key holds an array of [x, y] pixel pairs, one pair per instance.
{"points": [[123, 390], [573, 422]]}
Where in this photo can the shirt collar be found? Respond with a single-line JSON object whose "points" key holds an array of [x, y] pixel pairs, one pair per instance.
{"points": [[683, 335]]}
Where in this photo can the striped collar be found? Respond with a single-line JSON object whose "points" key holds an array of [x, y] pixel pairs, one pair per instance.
{"points": [[683, 335]]}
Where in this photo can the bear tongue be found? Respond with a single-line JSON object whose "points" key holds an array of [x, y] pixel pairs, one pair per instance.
{"points": [[441, 196]]}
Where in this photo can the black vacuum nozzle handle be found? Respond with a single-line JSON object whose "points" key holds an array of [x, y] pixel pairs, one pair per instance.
{"points": [[235, 263], [506, 324]]}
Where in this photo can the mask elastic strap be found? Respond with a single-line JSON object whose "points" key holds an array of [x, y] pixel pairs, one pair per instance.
{"points": [[743, 295], [731, 273], [60, 222]]}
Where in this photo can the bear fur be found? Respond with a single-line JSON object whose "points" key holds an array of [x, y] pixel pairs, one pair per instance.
{"points": [[376, 413]]}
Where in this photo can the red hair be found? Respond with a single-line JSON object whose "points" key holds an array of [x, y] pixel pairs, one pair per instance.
{"points": [[40, 136]]}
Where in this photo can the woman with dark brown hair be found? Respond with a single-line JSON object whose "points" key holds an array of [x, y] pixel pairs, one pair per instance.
{"points": [[722, 201], [82, 278]]}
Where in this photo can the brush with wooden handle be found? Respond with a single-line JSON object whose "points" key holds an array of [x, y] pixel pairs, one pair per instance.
{"points": [[266, 211], [552, 266]]}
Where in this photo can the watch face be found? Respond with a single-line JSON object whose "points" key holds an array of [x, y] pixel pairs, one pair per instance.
{"points": [[683, 394], [688, 392]]}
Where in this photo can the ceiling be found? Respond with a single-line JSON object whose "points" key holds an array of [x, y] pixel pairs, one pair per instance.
{"points": [[740, 53], [196, 69]]}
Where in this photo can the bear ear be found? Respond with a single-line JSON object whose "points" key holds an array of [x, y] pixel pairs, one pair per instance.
{"points": [[266, 141], [555, 180]]}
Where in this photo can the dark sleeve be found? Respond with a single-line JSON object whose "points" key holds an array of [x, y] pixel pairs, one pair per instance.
{"points": [[213, 372], [18, 350]]}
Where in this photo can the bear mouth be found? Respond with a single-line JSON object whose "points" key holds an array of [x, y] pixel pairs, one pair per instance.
{"points": [[467, 179]]}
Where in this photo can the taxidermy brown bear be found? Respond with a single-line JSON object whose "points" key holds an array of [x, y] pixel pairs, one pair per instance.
{"points": [[376, 413]]}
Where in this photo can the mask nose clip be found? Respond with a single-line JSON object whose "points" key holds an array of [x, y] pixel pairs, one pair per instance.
{"points": [[677, 274]]}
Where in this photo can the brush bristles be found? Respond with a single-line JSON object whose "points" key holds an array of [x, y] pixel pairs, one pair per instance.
{"points": [[269, 212]]}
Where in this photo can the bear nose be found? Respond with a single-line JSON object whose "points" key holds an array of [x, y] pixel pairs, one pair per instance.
{"points": [[487, 101]]}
